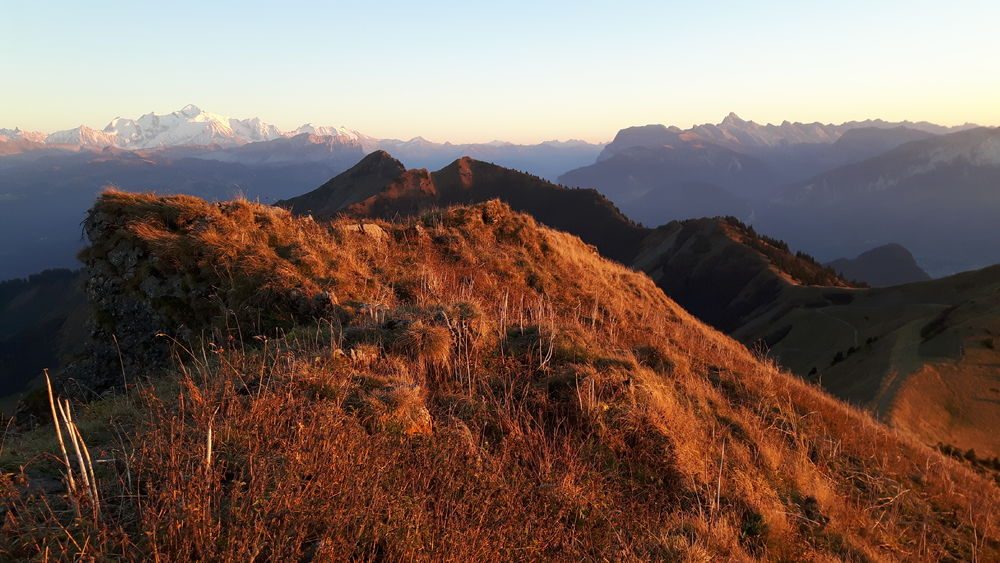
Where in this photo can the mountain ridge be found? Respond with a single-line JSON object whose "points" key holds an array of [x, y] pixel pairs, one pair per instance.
{"points": [[442, 394]]}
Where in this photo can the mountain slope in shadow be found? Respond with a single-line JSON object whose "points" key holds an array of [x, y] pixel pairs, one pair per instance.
{"points": [[889, 264]]}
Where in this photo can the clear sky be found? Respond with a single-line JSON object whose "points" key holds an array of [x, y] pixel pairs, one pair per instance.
{"points": [[515, 70]]}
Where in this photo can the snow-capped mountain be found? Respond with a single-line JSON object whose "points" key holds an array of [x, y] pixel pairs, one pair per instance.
{"points": [[341, 133], [83, 136], [191, 126], [187, 126], [17, 134]]}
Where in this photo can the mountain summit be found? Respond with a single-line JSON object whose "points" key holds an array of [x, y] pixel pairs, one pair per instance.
{"points": [[189, 125], [889, 264], [380, 186]]}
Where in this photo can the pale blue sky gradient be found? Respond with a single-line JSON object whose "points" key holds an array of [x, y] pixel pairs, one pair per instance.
{"points": [[519, 71]]}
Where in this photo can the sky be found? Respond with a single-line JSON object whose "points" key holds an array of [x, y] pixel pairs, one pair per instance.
{"points": [[522, 71]]}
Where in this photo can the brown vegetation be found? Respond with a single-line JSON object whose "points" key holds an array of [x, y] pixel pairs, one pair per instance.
{"points": [[480, 387]]}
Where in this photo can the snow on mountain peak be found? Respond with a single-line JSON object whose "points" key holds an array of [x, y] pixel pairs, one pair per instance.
{"points": [[17, 134], [188, 126]]}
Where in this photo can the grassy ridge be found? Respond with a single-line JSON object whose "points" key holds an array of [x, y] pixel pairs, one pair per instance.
{"points": [[479, 386]]}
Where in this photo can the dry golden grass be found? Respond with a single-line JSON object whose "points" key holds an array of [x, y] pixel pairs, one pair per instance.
{"points": [[489, 389]]}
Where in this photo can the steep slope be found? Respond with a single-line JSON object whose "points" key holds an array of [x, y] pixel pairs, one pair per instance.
{"points": [[367, 178], [937, 197], [923, 356], [889, 264], [887, 350], [724, 272], [693, 261], [752, 286], [469, 385], [364, 192]]}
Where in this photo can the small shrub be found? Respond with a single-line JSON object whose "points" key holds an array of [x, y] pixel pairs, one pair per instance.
{"points": [[429, 345]]}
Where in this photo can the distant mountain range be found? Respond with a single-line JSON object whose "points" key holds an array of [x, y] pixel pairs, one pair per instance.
{"points": [[222, 138], [939, 197], [836, 190], [833, 190], [47, 182], [747, 136]]}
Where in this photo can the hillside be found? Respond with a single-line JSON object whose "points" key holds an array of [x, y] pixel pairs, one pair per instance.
{"points": [[719, 269], [463, 385], [889, 264], [887, 349], [724, 272], [922, 355], [380, 187]]}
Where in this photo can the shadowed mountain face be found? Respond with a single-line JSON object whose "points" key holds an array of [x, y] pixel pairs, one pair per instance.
{"points": [[860, 144], [890, 264], [724, 272], [378, 186], [365, 179], [921, 356]]}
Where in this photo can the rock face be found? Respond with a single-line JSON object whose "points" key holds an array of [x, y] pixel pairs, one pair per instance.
{"points": [[124, 318], [147, 303]]}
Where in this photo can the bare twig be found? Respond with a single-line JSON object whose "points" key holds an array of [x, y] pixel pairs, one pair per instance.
{"points": [[62, 445]]}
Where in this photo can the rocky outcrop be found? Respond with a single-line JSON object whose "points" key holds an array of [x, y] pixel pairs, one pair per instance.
{"points": [[149, 302]]}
